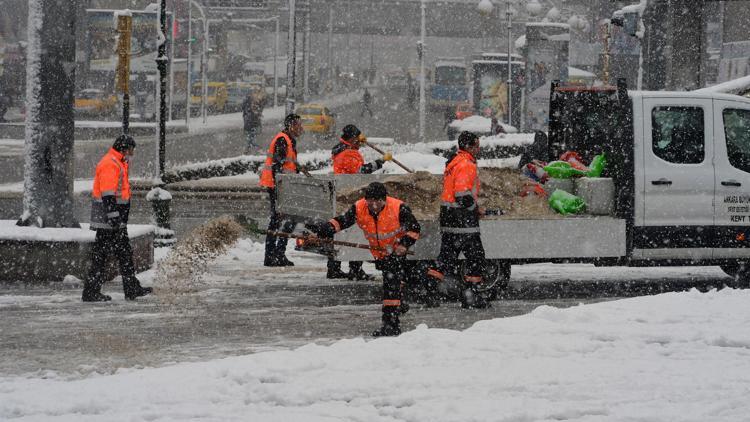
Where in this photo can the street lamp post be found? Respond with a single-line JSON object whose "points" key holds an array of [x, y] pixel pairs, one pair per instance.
{"points": [[420, 53], [510, 80], [291, 57]]}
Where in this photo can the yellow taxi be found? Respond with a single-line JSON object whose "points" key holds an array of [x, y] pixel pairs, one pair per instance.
{"points": [[317, 118], [216, 97], [94, 102]]}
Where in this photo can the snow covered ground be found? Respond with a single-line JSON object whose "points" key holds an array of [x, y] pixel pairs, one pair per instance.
{"points": [[675, 356]]}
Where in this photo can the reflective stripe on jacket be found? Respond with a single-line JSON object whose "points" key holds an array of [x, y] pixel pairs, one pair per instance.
{"points": [[383, 231], [110, 179], [289, 163], [346, 159], [460, 179]]}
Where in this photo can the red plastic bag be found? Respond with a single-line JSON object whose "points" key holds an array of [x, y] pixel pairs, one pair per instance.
{"points": [[532, 189], [574, 159]]}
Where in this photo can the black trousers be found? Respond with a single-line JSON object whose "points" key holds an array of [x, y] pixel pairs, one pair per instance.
{"points": [[451, 246], [110, 243], [276, 246], [394, 270]]}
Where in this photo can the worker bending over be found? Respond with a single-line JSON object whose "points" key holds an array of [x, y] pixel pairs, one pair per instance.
{"points": [[459, 222], [348, 160], [391, 229]]}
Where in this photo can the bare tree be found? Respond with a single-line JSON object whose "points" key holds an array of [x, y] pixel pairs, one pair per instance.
{"points": [[50, 84]]}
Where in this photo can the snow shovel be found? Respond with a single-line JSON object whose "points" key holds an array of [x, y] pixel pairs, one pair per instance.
{"points": [[252, 226], [395, 161]]}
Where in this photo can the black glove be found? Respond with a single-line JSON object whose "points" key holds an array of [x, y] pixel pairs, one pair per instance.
{"points": [[379, 163], [316, 226]]}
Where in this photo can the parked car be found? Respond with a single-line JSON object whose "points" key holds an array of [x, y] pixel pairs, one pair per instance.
{"points": [[94, 102], [216, 98], [317, 118]]}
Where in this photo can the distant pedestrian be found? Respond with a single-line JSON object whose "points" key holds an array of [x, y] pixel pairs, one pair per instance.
{"points": [[110, 208], [411, 92], [252, 117], [366, 102]]}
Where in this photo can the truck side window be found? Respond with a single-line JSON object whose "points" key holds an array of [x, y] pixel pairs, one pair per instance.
{"points": [[737, 134], [678, 134]]}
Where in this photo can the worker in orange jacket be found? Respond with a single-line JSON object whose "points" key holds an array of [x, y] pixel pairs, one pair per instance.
{"points": [[110, 208], [459, 223], [391, 229], [281, 158], [348, 160]]}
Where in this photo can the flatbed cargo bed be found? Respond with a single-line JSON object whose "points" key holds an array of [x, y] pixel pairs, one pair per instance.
{"points": [[504, 237]]}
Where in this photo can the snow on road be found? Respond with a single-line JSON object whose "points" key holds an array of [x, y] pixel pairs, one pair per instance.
{"points": [[675, 356]]}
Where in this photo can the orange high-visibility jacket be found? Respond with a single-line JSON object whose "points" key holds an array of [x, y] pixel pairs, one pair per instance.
{"points": [[289, 164], [460, 178], [348, 161], [386, 230], [110, 179]]}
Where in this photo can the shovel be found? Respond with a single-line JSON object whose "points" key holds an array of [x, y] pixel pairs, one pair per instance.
{"points": [[398, 163]]}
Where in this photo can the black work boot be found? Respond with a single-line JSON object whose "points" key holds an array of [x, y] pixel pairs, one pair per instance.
{"points": [[92, 292], [391, 324], [94, 296], [284, 262], [357, 273], [133, 289], [334, 270], [471, 298]]}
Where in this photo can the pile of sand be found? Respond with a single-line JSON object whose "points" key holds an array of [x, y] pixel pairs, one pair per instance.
{"points": [[500, 189], [182, 269]]}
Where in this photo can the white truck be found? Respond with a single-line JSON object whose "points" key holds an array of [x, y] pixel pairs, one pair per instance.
{"points": [[680, 163]]}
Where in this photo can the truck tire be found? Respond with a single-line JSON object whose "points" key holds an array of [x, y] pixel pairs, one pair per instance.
{"points": [[496, 278], [740, 272]]}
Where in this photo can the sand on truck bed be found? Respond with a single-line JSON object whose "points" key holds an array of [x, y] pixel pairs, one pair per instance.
{"points": [[500, 189]]}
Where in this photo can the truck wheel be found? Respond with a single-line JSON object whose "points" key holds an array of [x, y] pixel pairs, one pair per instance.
{"points": [[740, 272], [495, 278]]}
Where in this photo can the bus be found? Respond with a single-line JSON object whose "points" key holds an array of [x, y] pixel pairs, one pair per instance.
{"points": [[449, 83]]}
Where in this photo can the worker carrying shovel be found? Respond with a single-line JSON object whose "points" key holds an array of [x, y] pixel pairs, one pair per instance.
{"points": [[391, 229], [348, 160]]}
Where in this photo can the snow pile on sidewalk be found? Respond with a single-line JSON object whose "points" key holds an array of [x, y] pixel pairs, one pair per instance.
{"points": [[675, 356]]}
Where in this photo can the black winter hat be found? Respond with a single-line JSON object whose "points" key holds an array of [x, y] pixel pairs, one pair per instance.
{"points": [[467, 139], [123, 143], [375, 190], [350, 132], [289, 119]]}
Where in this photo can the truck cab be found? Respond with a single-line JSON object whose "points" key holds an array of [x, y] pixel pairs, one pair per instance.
{"points": [[680, 162]]}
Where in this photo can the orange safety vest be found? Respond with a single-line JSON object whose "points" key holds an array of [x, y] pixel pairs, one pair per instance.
{"points": [[459, 179], [110, 179], [384, 232], [289, 165], [348, 161]]}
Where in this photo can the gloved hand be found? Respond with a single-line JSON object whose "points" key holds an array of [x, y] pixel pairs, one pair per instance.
{"points": [[114, 221], [388, 156], [318, 227], [379, 163]]}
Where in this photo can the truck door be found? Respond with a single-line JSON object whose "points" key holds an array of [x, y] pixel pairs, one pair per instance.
{"points": [[678, 178], [732, 160]]}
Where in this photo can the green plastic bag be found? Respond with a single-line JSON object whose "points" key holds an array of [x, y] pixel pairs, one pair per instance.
{"points": [[597, 166], [562, 170], [566, 203]]}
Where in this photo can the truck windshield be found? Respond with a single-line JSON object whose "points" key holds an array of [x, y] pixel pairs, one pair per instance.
{"points": [[450, 75], [737, 133]]}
